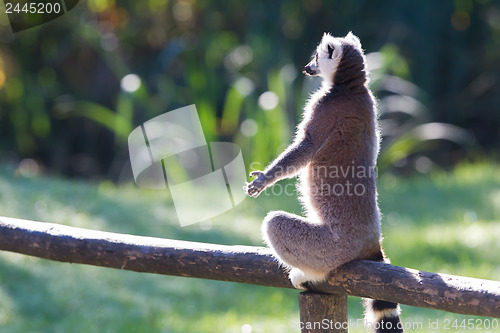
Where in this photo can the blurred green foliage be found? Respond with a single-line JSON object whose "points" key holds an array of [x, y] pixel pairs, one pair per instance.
{"points": [[445, 222], [63, 102], [67, 107]]}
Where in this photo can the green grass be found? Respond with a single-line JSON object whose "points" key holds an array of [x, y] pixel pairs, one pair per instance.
{"points": [[445, 222]]}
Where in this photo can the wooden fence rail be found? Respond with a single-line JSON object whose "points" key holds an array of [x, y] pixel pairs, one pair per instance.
{"points": [[246, 264]]}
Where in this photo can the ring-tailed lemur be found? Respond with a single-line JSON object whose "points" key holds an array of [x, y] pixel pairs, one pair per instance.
{"points": [[335, 151]]}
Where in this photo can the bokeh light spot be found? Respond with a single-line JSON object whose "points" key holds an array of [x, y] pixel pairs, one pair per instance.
{"points": [[246, 328], [249, 127], [130, 83], [268, 100]]}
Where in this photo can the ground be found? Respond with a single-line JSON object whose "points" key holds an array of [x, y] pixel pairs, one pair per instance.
{"points": [[441, 222]]}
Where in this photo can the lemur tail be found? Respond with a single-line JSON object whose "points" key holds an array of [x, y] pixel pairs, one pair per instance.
{"points": [[383, 316]]}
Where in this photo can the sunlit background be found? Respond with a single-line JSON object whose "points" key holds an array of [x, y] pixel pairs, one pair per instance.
{"points": [[72, 90]]}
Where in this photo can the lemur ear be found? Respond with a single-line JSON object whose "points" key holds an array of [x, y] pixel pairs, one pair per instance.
{"points": [[354, 39], [326, 36], [330, 50]]}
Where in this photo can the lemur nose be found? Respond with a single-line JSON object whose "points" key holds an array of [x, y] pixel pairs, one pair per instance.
{"points": [[307, 70]]}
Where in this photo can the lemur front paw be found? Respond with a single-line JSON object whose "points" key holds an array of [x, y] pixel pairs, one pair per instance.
{"points": [[258, 185]]}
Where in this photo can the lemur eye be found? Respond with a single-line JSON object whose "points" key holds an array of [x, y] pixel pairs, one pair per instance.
{"points": [[330, 51], [316, 57]]}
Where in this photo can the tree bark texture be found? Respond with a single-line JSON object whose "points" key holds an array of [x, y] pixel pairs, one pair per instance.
{"points": [[246, 264], [323, 313]]}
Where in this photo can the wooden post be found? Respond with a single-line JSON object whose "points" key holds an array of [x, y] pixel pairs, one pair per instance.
{"points": [[246, 264], [323, 313]]}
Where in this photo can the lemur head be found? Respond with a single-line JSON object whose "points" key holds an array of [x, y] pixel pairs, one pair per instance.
{"points": [[329, 54]]}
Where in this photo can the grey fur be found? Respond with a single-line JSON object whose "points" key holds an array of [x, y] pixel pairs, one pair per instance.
{"points": [[335, 147], [339, 132]]}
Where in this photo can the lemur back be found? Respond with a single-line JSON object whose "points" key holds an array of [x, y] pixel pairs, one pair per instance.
{"points": [[334, 152]]}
